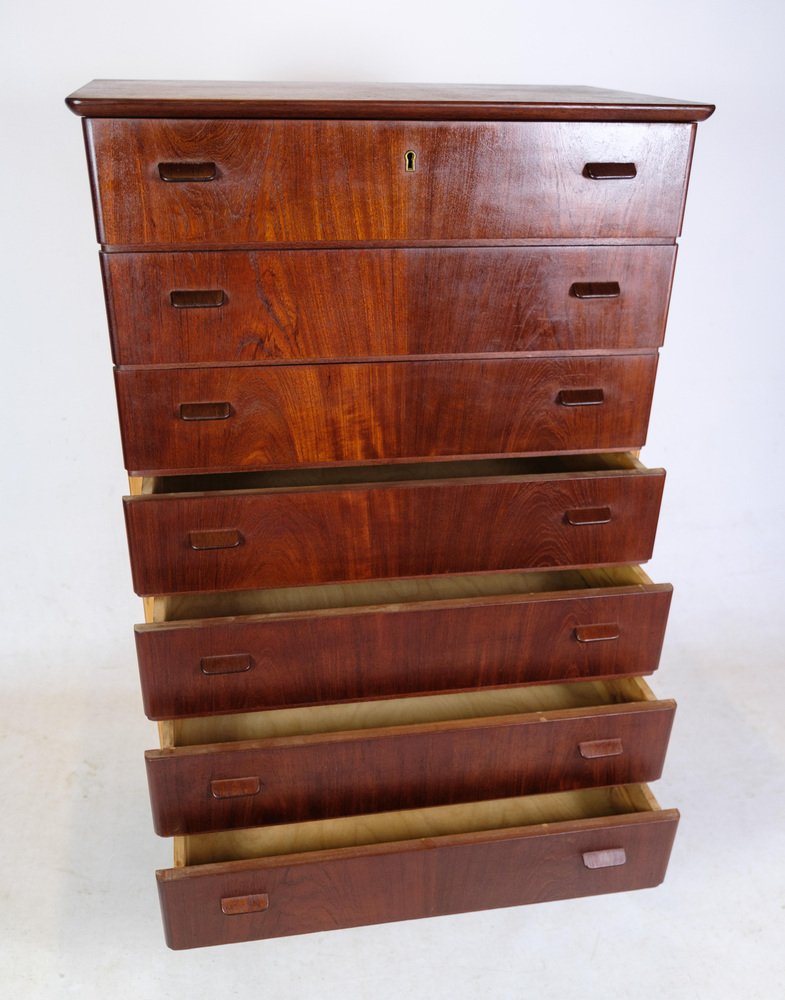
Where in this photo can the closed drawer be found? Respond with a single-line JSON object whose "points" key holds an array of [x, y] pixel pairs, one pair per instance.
{"points": [[230, 771], [248, 650], [326, 526], [194, 419], [286, 305], [219, 183], [262, 883]]}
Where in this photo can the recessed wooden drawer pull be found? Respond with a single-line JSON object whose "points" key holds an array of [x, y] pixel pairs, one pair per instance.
{"points": [[205, 411], [588, 515], [611, 858], [197, 298], [610, 171], [581, 397], [225, 538], [180, 172], [234, 788], [600, 748], [596, 633], [233, 905], [594, 290], [233, 663]]}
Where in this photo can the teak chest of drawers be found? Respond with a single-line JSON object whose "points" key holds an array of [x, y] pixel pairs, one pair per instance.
{"points": [[384, 358]]}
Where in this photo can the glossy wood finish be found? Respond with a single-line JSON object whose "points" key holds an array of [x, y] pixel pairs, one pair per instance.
{"points": [[283, 416], [431, 101], [388, 648], [363, 531], [280, 182], [405, 879], [296, 778], [310, 304]]}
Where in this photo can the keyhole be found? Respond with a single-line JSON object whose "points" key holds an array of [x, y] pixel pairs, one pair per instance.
{"points": [[411, 158]]}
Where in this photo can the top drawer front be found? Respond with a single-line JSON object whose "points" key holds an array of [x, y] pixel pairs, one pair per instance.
{"points": [[278, 182]]}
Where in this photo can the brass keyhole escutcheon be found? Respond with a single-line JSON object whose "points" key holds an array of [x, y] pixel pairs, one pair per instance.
{"points": [[411, 161]]}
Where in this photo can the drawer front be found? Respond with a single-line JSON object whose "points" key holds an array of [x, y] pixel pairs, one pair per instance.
{"points": [[182, 183], [222, 419], [289, 780], [282, 538], [299, 305], [406, 880], [244, 664]]}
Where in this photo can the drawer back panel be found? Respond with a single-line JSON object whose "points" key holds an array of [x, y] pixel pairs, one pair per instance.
{"points": [[273, 182]]}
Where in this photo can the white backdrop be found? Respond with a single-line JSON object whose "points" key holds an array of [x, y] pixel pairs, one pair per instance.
{"points": [[77, 887]]}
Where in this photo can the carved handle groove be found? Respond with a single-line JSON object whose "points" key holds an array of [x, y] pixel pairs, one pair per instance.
{"points": [[205, 411], [197, 298], [611, 858], [588, 515], [224, 538], [581, 397], [234, 788], [610, 171], [232, 663], [234, 905], [180, 172], [590, 749], [596, 633], [595, 290]]}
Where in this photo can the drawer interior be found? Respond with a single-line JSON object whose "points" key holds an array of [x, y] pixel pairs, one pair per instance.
{"points": [[355, 716], [386, 473], [387, 593], [411, 824]]}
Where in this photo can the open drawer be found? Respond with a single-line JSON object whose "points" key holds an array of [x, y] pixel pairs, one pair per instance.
{"points": [[271, 882], [311, 526], [235, 651], [230, 771]]}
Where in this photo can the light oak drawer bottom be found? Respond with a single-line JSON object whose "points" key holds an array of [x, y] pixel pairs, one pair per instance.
{"points": [[273, 882]]}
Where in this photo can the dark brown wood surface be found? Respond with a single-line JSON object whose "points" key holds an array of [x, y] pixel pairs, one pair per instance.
{"points": [[225, 99], [280, 305], [362, 532], [403, 767], [279, 182], [288, 415], [305, 658], [409, 879]]}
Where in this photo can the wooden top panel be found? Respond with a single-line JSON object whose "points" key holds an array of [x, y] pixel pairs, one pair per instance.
{"points": [[433, 101]]}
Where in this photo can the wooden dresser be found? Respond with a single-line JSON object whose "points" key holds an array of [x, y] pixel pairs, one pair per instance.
{"points": [[384, 357]]}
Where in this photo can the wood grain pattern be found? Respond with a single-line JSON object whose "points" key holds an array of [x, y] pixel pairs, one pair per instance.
{"points": [[307, 181], [225, 99], [410, 879], [295, 537], [334, 655], [403, 767], [283, 416], [311, 304]]}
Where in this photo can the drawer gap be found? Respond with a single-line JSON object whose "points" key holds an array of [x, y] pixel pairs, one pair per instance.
{"points": [[184, 607], [411, 824], [308, 721], [388, 473]]}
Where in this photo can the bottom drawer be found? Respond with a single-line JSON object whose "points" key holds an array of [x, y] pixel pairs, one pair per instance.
{"points": [[270, 882]]}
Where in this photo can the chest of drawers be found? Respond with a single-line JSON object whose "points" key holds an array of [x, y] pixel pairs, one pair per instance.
{"points": [[384, 358]]}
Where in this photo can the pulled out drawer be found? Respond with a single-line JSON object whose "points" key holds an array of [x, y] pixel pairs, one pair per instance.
{"points": [[309, 526], [220, 183], [246, 650], [270, 882], [307, 305], [229, 771], [217, 419]]}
